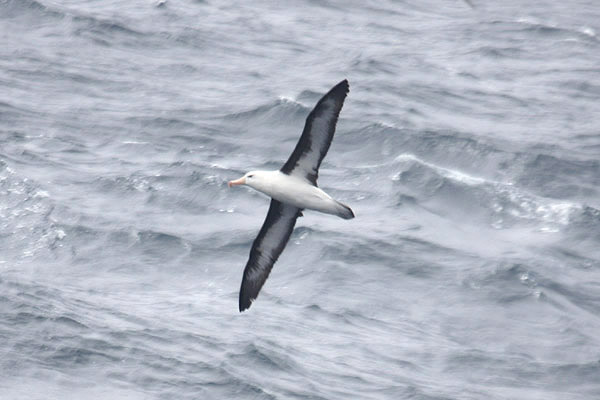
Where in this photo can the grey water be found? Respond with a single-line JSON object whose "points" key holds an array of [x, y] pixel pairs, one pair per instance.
{"points": [[468, 147]]}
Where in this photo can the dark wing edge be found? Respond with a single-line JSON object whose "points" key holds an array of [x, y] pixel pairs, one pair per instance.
{"points": [[267, 247], [317, 134]]}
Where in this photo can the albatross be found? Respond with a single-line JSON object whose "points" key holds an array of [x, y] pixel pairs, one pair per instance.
{"points": [[292, 189]]}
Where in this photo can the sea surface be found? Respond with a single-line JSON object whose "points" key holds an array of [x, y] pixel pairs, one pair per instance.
{"points": [[468, 147]]}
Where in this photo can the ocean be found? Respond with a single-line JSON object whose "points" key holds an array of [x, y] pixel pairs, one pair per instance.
{"points": [[468, 148]]}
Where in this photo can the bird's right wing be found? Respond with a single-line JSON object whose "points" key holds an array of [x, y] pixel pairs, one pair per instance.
{"points": [[267, 247]]}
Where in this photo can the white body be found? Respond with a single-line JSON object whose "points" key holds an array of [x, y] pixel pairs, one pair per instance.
{"points": [[293, 190]]}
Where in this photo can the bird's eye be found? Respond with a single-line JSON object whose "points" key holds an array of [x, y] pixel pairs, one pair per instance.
{"points": [[250, 176]]}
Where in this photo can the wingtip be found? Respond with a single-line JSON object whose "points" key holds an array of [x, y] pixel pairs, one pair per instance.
{"points": [[341, 89], [244, 304], [245, 300]]}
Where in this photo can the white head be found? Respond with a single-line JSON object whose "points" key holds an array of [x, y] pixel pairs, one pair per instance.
{"points": [[254, 179]]}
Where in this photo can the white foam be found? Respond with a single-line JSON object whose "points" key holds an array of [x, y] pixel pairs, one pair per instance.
{"points": [[290, 100], [41, 194], [552, 213], [529, 21], [586, 30]]}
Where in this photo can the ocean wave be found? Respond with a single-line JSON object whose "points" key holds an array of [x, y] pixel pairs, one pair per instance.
{"points": [[556, 177], [25, 220], [500, 52], [278, 112], [501, 204], [461, 151], [19, 8], [507, 283], [544, 29], [544, 171], [151, 249]]}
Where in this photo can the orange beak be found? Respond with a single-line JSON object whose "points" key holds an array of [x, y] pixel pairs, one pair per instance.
{"points": [[241, 181]]}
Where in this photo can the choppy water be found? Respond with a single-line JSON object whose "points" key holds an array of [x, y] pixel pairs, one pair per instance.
{"points": [[469, 148]]}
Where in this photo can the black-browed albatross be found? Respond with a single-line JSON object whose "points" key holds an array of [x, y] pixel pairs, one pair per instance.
{"points": [[292, 189]]}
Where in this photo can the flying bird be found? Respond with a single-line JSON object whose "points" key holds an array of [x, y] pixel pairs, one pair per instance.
{"points": [[292, 189]]}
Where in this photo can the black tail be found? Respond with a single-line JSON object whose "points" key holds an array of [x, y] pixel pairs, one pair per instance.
{"points": [[344, 211]]}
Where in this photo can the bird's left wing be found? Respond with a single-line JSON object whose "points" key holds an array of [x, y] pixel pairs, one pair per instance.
{"points": [[317, 135], [267, 247]]}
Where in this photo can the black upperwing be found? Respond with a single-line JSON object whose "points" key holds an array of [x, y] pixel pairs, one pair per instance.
{"points": [[267, 247], [317, 135]]}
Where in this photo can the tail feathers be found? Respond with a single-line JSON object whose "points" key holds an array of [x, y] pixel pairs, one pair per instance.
{"points": [[344, 211]]}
